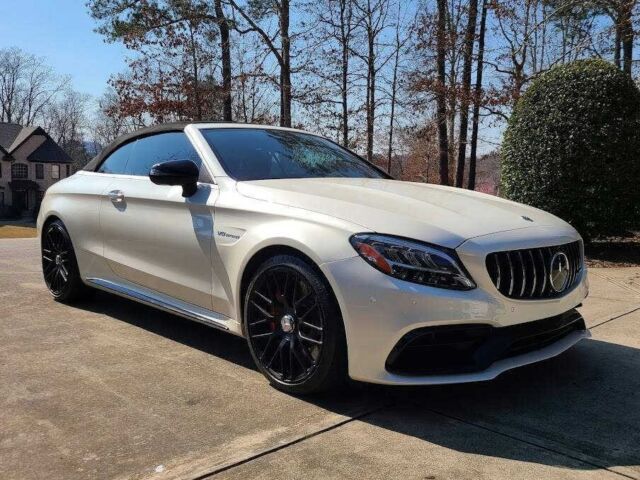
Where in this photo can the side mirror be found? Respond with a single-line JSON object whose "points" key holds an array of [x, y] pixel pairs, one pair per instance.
{"points": [[176, 172]]}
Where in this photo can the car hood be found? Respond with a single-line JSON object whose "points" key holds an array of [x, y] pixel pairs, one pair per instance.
{"points": [[432, 213]]}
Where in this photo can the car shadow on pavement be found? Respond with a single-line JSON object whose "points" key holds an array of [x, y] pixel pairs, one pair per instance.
{"points": [[580, 409], [583, 404], [192, 334]]}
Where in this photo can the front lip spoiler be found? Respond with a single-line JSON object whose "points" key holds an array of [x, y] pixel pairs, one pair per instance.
{"points": [[494, 369]]}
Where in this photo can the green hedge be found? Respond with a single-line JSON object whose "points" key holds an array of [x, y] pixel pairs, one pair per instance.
{"points": [[572, 147]]}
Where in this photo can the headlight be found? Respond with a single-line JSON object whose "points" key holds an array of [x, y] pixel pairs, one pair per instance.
{"points": [[413, 261]]}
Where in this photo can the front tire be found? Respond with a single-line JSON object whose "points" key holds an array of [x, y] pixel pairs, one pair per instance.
{"points": [[293, 327], [59, 264]]}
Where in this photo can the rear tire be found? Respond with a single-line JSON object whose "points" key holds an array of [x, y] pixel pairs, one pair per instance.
{"points": [[294, 327], [60, 266]]}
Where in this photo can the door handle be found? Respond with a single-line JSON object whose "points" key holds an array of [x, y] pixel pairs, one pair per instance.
{"points": [[116, 196]]}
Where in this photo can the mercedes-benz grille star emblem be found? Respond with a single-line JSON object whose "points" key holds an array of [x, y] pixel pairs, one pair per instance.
{"points": [[559, 272]]}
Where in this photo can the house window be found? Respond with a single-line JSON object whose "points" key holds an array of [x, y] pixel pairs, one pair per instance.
{"points": [[39, 171], [19, 170], [68, 168], [55, 171], [1, 199]]}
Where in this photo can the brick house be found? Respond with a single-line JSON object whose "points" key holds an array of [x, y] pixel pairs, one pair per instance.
{"points": [[30, 162]]}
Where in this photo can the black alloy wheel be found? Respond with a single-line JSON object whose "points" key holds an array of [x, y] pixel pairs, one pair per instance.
{"points": [[293, 327], [59, 264]]}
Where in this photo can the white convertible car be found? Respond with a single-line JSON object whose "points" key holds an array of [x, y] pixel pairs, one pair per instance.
{"points": [[327, 266]]}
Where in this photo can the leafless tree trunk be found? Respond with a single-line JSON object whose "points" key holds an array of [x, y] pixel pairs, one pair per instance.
{"points": [[371, 91], [330, 61], [285, 71], [346, 13], [225, 49], [469, 39], [394, 90], [282, 54], [626, 33], [477, 98], [373, 20], [441, 94], [617, 46], [196, 80]]}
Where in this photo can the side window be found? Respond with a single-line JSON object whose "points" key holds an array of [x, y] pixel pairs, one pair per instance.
{"points": [[160, 148], [117, 161]]}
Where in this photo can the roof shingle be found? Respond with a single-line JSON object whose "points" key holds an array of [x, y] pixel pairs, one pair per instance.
{"points": [[13, 135]]}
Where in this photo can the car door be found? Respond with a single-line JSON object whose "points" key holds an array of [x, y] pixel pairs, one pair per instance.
{"points": [[153, 236]]}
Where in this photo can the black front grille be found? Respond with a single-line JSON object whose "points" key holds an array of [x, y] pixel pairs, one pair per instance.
{"points": [[524, 274], [452, 349]]}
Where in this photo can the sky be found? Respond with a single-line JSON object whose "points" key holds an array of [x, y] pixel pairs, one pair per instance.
{"points": [[61, 31]]}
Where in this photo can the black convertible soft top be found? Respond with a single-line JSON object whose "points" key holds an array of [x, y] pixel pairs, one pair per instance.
{"points": [[93, 165]]}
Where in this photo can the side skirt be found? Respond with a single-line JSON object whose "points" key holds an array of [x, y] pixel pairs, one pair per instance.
{"points": [[190, 312]]}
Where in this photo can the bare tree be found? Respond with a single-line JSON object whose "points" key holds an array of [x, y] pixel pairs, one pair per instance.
{"points": [[399, 42], [336, 34], [469, 38], [373, 20], [477, 98], [225, 49], [253, 84], [109, 122], [621, 13], [27, 86], [441, 93], [252, 14]]}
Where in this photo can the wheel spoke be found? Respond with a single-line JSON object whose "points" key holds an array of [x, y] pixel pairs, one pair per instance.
{"points": [[305, 353], [258, 322], [315, 327], [262, 335], [295, 292], [277, 351], [275, 285], [263, 297], [308, 339], [291, 358], [49, 272], [262, 310], [264, 352], [303, 299], [282, 357], [301, 357], [284, 287], [308, 311]]}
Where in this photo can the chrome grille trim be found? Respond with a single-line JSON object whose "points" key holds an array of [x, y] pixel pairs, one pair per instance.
{"points": [[523, 274]]}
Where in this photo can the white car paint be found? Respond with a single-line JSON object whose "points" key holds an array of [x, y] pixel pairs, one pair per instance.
{"points": [[192, 252]]}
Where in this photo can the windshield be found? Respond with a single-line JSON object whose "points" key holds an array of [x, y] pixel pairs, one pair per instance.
{"points": [[262, 154]]}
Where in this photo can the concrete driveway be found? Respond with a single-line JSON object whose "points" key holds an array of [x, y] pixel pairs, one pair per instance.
{"points": [[113, 389]]}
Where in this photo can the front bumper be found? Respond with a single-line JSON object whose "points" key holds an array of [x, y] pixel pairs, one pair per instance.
{"points": [[379, 311]]}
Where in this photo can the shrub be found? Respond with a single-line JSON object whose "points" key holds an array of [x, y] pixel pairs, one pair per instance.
{"points": [[572, 147]]}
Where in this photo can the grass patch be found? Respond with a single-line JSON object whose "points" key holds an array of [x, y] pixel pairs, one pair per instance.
{"points": [[17, 231]]}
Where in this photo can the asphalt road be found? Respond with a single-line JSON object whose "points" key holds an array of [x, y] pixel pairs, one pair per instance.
{"points": [[113, 389]]}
